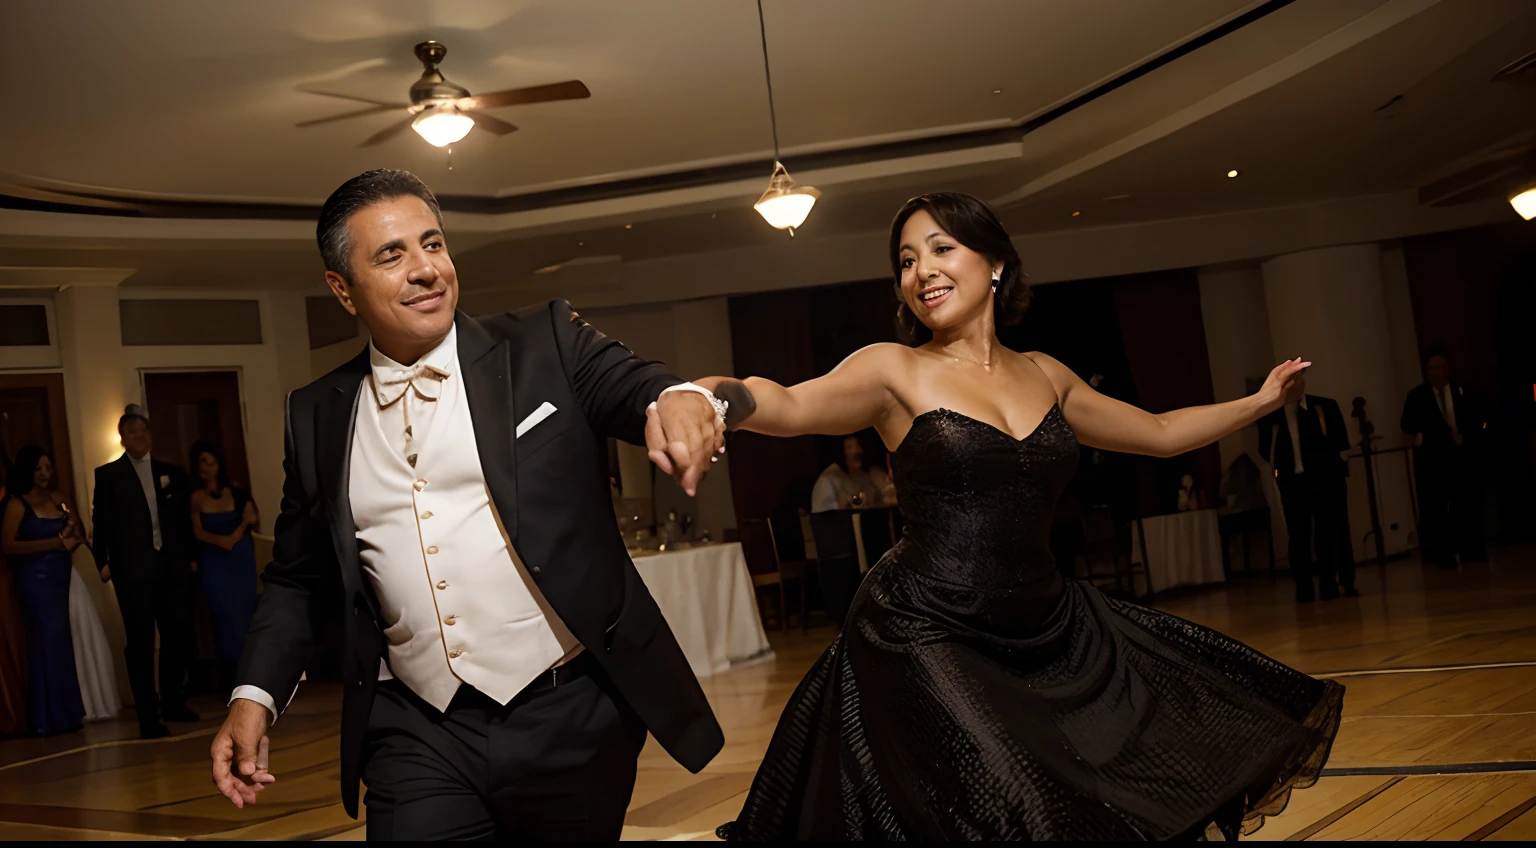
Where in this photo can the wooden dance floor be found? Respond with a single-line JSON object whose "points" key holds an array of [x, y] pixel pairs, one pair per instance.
{"points": [[1438, 740]]}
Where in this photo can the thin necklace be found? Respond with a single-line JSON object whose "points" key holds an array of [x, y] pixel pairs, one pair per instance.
{"points": [[987, 365]]}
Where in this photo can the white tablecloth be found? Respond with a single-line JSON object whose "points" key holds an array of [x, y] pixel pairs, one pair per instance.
{"points": [[705, 593], [1184, 549]]}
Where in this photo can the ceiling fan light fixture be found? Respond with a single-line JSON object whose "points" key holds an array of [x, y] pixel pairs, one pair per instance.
{"points": [[442, 125], [785, 205], [1525, 202]]}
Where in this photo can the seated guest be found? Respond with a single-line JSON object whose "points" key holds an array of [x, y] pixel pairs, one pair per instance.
{"points": [[850, 484], [38, 535], [222, 516]]}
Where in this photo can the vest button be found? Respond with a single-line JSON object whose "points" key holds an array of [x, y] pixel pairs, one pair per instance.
{"points": [[442, 584], [426, 515], [450, 621], [455, 654], [419, 485], [432, 550], [535, 569]]}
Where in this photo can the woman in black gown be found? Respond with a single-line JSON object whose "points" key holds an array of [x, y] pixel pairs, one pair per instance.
{"points": [[973, 693]]}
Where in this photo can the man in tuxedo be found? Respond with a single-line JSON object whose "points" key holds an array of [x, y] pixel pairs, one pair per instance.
{"points": [[1305, 442], [503, 660], [142, 521], [1447, 420]]}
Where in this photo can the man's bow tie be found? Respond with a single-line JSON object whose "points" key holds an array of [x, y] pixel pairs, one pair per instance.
{"points": [[389, 385]]}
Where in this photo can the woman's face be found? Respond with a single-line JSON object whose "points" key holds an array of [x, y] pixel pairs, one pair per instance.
{"points": [[207, 467], [853, 454], [42, 476], [943, 282]]}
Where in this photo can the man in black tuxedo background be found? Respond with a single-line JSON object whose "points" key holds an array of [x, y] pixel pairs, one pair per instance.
{"points": [[1305, 442], [142, 521], [1448, 420]]}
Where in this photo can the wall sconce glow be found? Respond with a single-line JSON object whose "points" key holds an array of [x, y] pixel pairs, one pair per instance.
{"points": [[1232, 174], [785, 205], [1525, 203], [442, 126]]}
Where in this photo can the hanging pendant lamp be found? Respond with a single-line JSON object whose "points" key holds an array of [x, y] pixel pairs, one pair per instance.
{"points": [[784, 205]]}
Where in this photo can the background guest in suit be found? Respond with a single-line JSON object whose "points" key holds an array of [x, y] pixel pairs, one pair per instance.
{"points": [[1448, 421], [144, 546], [222, 516], [39, 535], [1305, 441]]}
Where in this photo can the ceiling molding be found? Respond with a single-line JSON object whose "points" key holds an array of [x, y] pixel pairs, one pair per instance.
{"points": [[34, 277], [17, 194]]}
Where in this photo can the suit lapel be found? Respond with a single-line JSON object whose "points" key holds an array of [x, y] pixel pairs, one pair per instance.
{"points": [[487, 367], [337, 417]]}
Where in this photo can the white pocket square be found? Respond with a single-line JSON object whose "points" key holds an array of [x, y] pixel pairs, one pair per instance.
{"points": [[545, 410]]}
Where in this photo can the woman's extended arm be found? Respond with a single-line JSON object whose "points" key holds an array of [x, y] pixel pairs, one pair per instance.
{"points": [[1106, 423], [855, 395]]}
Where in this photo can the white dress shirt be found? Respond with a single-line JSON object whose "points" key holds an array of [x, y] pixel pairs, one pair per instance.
{"points": [[1290, 425], [1447, 407], [144, 467], [456, 603]]}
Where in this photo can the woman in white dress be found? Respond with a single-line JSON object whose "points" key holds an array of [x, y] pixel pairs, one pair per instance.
{"points": [[94, 664]]}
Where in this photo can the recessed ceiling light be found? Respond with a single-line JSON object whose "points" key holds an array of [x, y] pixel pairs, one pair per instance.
{"points": [[581, 244], [997, 91], [1232, 174], [1075, 214], [629, 226]]}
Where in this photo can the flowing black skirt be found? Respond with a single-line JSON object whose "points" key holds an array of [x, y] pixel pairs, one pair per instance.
{"points": [[950, 712]]}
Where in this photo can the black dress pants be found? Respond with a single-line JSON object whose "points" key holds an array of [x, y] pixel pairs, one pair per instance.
{"points": [[1317, 507], [553, 763], [1450, 510], [162, 602]]}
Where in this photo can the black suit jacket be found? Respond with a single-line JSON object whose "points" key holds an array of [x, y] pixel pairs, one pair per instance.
{"points": [[1323, 438], [124, 536], [551, 490], [1421, 414]]}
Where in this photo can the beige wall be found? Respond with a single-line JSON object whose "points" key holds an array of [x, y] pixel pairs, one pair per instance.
{"points": [[1331, 306], [1237, 342]]}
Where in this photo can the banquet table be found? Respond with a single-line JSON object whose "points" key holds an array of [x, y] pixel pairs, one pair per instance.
{"points": [[1183, 549], [705, 593]]}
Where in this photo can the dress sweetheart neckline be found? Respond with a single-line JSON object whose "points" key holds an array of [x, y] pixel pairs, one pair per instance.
{"points": [[1020, 440]]}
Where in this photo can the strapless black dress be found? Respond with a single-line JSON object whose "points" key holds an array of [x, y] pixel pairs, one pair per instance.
{"points": [[974, 694]]}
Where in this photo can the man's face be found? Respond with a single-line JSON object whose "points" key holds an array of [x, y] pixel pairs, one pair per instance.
{"points": [[136, 437], [402, 281], [1438, 371]]}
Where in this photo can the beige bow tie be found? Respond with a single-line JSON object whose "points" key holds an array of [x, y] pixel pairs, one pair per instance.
{"points": [[391, 384]]}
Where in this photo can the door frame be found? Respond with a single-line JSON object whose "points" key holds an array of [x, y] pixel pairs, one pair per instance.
{"points": [[245, 422]]}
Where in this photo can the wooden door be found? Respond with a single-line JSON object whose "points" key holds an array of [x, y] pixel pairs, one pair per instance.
{"points": [[32, 413], [186, 407]]}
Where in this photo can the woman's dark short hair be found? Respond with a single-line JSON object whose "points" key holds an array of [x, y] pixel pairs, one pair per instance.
{"points": [[195, 458], [359, 193], [24, 469], [972, 223]]}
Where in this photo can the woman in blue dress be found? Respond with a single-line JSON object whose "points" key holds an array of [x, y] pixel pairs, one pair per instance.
{"points": [[38, 534], [222, 516]]}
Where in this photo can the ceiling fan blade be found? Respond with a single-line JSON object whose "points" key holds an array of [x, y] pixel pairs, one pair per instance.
{"points": [[368, 100], [572, 90], [386, 134], [492, 125], [372, 110]]}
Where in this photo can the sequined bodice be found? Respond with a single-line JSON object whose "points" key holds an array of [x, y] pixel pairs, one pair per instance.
{"points": [[976, 503]]}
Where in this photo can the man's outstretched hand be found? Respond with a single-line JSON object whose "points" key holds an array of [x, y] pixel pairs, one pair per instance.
{"points": [[240, 753], [682, 436]]}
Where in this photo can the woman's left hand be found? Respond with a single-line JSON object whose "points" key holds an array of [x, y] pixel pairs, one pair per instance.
{"points": [[1286, 384]]}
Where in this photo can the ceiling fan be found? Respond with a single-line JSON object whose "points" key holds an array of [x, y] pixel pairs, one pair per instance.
{"points": [[443, 112]]}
